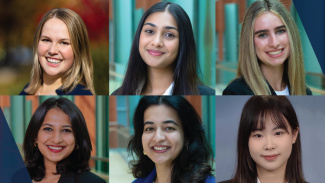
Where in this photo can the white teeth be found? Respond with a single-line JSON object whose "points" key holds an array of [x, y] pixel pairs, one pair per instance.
{"points": [[55, 148], [274, 52], [54, 61], [160, 148]]}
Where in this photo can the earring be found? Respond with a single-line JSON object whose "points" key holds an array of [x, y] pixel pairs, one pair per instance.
{"points": [[144, 153], [35, 144]]}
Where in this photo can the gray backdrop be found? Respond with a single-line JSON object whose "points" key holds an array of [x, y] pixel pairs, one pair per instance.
{"points": [[311, 116]]}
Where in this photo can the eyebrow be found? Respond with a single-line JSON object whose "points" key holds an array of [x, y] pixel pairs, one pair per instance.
{"points": [[164, 122], [47, 124], [266, 30], [166, 27], [42, 36]]}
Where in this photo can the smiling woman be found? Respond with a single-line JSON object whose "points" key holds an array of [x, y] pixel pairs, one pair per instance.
{"points": [[62, 61], [270, 53], [163, 59], [169, 142], [57, 144]]}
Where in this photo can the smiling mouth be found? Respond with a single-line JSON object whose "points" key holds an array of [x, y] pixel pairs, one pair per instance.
{"points": [[55, 149], [275, 53], [270, 157], [160, 149], [53, 61], [155, 52]]}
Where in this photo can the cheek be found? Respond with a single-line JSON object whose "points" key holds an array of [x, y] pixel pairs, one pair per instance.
{"points": [[67, 53], [41, 49]]}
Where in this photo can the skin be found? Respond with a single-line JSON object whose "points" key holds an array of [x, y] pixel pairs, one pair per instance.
{"points": [[158, 47], [271, 148], [54, 44], [56, 132], [162, 130], [272, 47]]}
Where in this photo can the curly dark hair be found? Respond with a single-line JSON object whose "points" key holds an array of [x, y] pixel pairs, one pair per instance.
{"points": [[193, 164], [77, 161]]}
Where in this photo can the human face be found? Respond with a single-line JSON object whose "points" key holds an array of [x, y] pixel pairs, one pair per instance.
{"points": [[159, 40], [54, 50], [271, 147], [271, 40], [55, 138], [163, 136]]}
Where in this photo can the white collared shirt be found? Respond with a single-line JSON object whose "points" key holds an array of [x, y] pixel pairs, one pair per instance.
{"points": [[258, 181], [283, 92]]}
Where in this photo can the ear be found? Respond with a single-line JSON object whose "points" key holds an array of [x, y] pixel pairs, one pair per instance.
{"points": [[295, 135]]}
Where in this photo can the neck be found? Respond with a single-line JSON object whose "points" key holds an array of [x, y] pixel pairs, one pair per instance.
{"points": [[275, 176], [50, 168], [158, 81], [274, 76], [164, 173], [50, 84]]}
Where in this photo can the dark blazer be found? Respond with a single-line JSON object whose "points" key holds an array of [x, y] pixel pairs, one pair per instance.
{"points": [[240, 87], [203, 90], [84, 177], [150, 178], [226, 181], [78, 90]]}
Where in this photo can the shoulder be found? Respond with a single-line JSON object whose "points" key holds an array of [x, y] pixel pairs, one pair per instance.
{"points": [[85, 177], [226, 181], [210, 179], [205, 90], [78, 90], [23, 91], [116, 91], [238, 87], [149, 178]]}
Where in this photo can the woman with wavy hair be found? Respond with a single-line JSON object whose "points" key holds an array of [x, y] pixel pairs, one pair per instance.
{"points": [[268, 144], [169, 144], [163, 59], [270, 53], [57, 144], [62, 60]]}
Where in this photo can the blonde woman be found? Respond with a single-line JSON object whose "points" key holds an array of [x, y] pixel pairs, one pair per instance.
{"points": [[62, 60], [270, 53]]}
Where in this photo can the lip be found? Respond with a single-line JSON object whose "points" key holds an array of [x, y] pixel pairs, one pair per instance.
{"points": [[55, 149], [155, 52], [270, 157], [53, 62], [275, 53], [160, 148]]}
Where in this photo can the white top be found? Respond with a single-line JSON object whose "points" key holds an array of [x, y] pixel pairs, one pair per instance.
{"points": [[258, 181], [169, 90], [283, 92]]}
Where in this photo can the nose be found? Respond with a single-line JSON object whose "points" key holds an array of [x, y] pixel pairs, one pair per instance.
{"points": [[269, 143], [57, 138], [159, 136], [157, 41], [53, 50], [273, 41]]}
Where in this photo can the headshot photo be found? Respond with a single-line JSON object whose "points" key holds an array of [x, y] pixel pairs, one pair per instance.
{"points": [[164, 49], [162, 139], [272, 138], [60, 139], [264, 50], [54, 48]]}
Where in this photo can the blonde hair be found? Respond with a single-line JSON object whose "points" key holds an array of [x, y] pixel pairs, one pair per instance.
{"points": [[81, 71], [248, 64]]}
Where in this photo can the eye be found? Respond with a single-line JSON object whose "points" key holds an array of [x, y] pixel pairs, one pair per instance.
{"points": [[262, 35], [148, 31], [65, 43], [67, 130], [169, 128], [280, 31], [258, 136], [148, 129], [278, 133], [45, 40], [169, 35], [47, 129]]}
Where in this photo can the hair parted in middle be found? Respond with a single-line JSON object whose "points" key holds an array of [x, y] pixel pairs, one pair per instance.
{"points": [[81, 71], [186, 65], [253, 118], [248, 62], [78, 160], [193, 164]]}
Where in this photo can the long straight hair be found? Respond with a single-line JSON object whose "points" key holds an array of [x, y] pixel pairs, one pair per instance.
{"points": [[81, 71], [186, 65], [248, 63], [252, 118]]}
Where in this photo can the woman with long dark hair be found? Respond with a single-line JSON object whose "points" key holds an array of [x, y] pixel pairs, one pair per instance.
{"points": [[169, 144], [163, 59], [268, 144], [57, 144]]}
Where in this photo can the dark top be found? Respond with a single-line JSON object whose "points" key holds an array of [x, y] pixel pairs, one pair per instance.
{"points": [[78, 90], [203, 90], [226, 181], [84, 177], [240, 87], [150, 178]]}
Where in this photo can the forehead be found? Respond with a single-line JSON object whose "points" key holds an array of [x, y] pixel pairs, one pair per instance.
{"points": [[160, 113], [55, 27], [161, 19], [267, 20], [57, 117], [270, 121]]}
